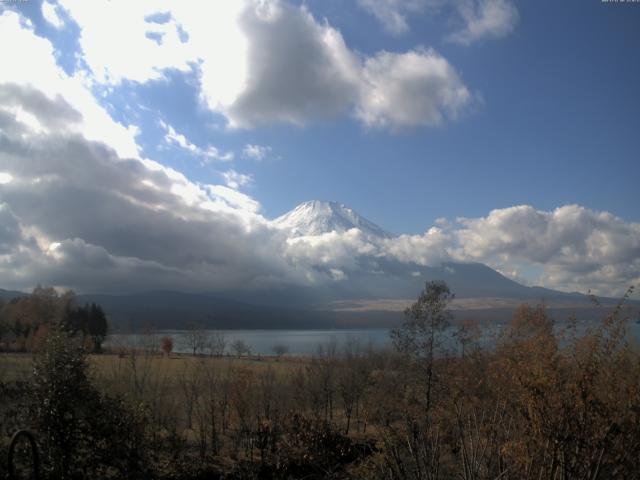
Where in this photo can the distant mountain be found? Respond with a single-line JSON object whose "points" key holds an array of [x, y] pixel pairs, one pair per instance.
{"points": [[476, 280], [316, 217], [171, 309], [6, 295], [176, 310], [369, 281], [383, 277]]}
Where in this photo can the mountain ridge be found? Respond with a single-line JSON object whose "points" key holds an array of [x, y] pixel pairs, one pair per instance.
{"points": [[312, 306]]}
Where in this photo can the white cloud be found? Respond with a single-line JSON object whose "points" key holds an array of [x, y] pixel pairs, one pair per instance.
{"points": [[476, 19], [576, 248], [236, 180], [485, 19], [79, 208], [297, 69], [417, 88], [145, 224], [329, 256], [140, 224], [429, 249], [51, 15], [237, 200], [571, 248], [43, 74], [205, 154], [266, 62], [79, 213], [337, 274], [256, 152], [130, 54], [392, 14]]}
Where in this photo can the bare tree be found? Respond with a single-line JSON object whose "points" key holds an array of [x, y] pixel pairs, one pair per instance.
{"points": [[217, 343], [240, 347], [197, 338], [280, 349], [321, 379], [147, 340], [211, 407], [352, 378], [421, 336], [166, 345], [480, 436], [468, 334], [189, 382]]}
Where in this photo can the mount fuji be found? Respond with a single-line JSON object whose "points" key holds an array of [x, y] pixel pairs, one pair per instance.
{"points": [[384, 277], [373, 291], [316, 217]]}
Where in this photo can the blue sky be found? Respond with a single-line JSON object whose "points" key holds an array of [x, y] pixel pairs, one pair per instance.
{"points": [[516, 103], [557, 123]]}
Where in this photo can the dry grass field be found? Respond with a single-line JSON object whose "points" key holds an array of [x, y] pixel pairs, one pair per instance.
{"points": [[351, 413], [18, 366]]}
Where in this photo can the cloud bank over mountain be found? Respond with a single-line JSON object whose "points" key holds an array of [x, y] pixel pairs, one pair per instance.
{"points": [[80, 207]]}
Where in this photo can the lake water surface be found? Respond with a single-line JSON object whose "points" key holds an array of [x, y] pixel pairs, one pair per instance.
{"points": [[299, 342], [262, 342]]}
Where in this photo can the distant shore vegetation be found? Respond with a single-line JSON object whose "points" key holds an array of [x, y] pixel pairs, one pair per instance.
{"points": [[542, 403], [27, 321]]}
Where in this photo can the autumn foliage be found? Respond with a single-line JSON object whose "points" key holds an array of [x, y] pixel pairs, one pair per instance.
{"points": [[540, 401], [25, 322]]}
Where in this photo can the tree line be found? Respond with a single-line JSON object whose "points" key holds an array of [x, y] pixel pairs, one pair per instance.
{"points": [[26, 322]]}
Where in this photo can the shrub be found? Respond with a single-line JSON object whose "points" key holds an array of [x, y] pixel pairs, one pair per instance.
{"points": [[80, 429]]}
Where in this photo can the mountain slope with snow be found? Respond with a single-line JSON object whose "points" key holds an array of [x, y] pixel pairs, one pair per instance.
{"points": [[316, 217], [366, 267]]}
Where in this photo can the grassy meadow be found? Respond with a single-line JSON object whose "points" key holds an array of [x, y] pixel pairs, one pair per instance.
{"points": [[19, 366]]}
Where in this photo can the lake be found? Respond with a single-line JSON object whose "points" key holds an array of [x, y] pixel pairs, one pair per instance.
{"points": [[298, 342], [262, 342]]}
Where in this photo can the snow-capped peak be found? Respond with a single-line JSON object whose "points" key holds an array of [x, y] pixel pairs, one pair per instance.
{"points": [[316, 217]]}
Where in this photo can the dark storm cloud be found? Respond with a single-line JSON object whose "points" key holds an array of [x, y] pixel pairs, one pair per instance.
{"points": [[10, 232], [119, 215]]}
